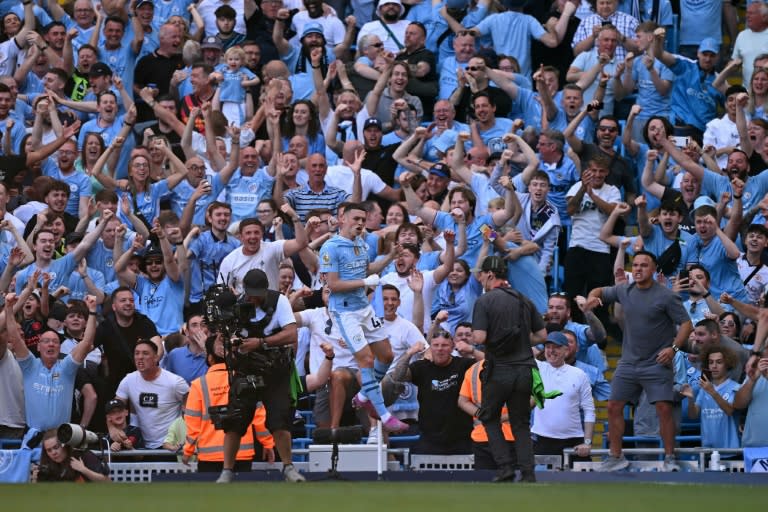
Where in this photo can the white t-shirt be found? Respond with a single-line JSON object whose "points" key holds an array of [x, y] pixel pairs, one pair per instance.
{"points": [[235, 265], [406, 294], [333, 28], [588, 220], [402, 335], [377, 27], [561, 417], [341, 176], [282, 316], [154, 404]]}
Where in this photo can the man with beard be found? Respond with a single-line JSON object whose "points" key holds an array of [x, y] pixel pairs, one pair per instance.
{"points": [[161, 292], [159, 66], [588, 334], [378, 157], [389, 27], [714, 184], [297, 57], [338, 37], [405, 265]]}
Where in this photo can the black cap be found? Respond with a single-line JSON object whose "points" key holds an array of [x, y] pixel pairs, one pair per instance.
{"points": [[100, 69], [372, 122], [153, 252], [256, 283], [495, 264], [114, 405]]}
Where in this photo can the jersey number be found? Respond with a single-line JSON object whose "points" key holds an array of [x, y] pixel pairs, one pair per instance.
{"points": [[375, 322]]}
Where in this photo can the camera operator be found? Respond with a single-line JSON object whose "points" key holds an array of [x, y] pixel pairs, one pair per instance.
{"points": [[60, 463], [272, 333]]}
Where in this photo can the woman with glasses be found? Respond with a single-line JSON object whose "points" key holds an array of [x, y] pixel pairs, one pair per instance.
{"points": [[273, 220], [730, 325]]}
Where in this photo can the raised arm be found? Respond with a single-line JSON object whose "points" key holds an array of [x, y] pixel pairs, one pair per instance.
{"points": [[570, 131], [415, 205], [553, 38], [300, 239], [512, 208], [606, 230], [84, 347], [124, 274], [278, 36], [681, 158], [83, 247]]}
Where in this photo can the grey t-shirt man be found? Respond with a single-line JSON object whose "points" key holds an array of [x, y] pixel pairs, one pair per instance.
{"points": [[651, 317]]}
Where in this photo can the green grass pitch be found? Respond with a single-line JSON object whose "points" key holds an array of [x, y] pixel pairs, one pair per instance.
{"points": [[378, 496]]}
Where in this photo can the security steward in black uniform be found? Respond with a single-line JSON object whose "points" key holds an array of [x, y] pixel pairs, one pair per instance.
{"points": [[508, 324]]}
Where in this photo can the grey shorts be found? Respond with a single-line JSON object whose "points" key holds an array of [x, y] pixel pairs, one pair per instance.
{"points": [[630, 380]]}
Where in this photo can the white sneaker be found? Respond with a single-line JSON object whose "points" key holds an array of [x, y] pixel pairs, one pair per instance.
{"points": [[291, 474], [227, 476], [670, 464], [373, 436], [612, 463]]}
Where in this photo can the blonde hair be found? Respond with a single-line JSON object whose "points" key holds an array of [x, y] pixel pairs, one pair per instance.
{"points": [[235, 51]]}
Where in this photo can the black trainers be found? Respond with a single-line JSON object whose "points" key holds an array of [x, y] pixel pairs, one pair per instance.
{"points": [[506, 474]]}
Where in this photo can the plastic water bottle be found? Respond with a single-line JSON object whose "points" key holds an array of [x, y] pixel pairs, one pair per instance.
{"points": [[714, 461]]}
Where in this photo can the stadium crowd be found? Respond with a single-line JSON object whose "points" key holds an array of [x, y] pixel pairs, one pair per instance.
{"points": [[151, 149]]}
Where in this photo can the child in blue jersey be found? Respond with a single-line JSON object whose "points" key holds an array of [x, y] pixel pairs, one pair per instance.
{"points": [[231, 95], [714, 400], [344, 261]]}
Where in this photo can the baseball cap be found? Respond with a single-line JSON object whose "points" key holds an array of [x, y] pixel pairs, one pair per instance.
{"points": [[440, 170], [153, 252], [372, 122], [114, 405], [100, 69], [211, 42], [495, 264], [144, 2], [703, 201], [709, 44], [256, 283], [558, 338], [312, 27]]}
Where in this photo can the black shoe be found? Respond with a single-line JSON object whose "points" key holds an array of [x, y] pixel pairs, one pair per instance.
{"points": [[507, 474], [528, 477]]}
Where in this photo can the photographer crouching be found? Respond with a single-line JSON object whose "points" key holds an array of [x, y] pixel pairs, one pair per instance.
{"points": [[60, 462], [261, 360]]}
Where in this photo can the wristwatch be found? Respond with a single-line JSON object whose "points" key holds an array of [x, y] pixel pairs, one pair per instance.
{"points": [[675, 348], [587, 441]]}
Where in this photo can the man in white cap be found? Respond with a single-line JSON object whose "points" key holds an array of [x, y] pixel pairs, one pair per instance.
{"points": [[389, 27]]}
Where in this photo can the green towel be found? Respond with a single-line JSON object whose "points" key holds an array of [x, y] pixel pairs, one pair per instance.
{"points": [[538, 392], [296, 387]]}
